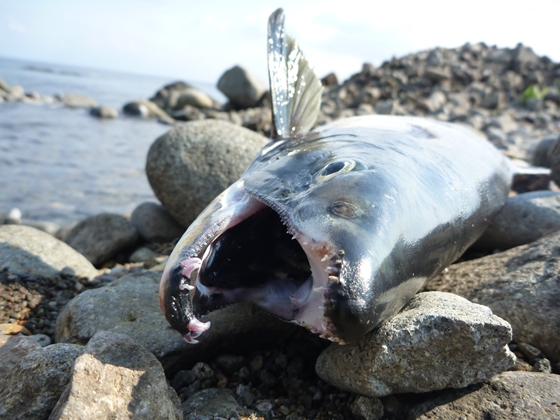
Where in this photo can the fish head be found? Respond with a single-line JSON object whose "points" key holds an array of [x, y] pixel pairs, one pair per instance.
{"points": [[294, 236], [338, 207]]}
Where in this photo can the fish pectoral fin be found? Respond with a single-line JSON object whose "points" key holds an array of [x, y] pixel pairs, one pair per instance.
{"points": [[296, 91]]}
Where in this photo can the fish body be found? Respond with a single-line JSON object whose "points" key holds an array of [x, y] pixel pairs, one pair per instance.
{"points": [[337, 228]]}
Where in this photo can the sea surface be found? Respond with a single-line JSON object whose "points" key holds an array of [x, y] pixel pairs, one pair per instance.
{"points": [[61, 165]]}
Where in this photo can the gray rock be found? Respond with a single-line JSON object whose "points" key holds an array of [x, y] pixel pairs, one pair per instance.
{"points": [[437, 100], [190, 165], [230, 363], [330, 80], [524, 55], [214, 402], [509, 395], [366, 408], [193, 97], [42, 339], [4, 86], [35, 384], [155, 224], [117, 378], [104, 112], [12, 349], [554, 159], [542, 150], [459, 99], [497, 137], [503, 56], [369, 95], [142, 254], [101, 237], [242, 88], [256, 119], [435, 58], [161, 98], [127, 306], [28, 251], [437, 341], [542, 365], [524, 219], [16, 93], [130, 306], [520, 285], [189, 113], [145, 109], [47, 227], [553, 95], [437, 74], [365, 109], [74, 100], [493, 100], [386, 107]]}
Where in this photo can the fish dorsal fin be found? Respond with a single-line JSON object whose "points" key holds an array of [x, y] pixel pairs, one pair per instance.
{"points": [[295, 90]]}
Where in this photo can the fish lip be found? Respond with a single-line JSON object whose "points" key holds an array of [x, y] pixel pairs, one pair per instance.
{"points": [[311, 305], [176, 304]]}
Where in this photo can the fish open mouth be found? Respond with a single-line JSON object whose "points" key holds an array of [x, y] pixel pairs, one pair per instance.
{"points": [[259, 257]]}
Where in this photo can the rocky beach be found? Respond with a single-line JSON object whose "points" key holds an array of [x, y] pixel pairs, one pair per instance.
{"points": [[82, 334]]}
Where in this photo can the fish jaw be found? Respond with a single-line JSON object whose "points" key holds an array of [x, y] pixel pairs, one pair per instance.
{"points": [[185, 294], [175, 289]]}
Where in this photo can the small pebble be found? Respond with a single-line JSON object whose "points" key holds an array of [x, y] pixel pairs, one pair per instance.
{"points": [[230, 363], [244, 395], [202, 371], [542, 365], [256, 363], [42, 339], [529, 351], [183, 378]]}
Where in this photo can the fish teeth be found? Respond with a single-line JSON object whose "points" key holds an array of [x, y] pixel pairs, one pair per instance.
{"points": [[198, 327], [184, 285]]}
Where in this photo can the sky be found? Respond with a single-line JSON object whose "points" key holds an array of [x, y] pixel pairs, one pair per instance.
{"points": [[199, 40]]}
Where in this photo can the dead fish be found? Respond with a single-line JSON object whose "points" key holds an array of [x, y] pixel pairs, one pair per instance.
{"points": [[334, 229]]}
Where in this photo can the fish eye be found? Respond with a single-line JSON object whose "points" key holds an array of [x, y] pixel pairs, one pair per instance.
{"points": [[333, 168], [344, 209], [340, 166]]}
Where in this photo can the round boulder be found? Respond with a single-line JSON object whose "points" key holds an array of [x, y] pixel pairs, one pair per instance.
{"points": [[524, 219], [27, 251], [101, 237], [155, 224], [193, 97], [194, 162], [242, 88], [104, 112], [143, 108], [554, 159], [73, 100]]}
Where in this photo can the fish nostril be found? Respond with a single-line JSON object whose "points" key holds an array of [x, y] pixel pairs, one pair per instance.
{"points": [[344, 209]]}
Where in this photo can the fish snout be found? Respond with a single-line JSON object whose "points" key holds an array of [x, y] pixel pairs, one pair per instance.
{"points": [[176, 304]]}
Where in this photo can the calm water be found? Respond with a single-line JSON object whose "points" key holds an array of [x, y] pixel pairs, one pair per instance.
{"points": [[60, 164]]}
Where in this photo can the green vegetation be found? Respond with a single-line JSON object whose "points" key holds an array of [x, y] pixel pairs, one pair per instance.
{"points": [[533, 92]]}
